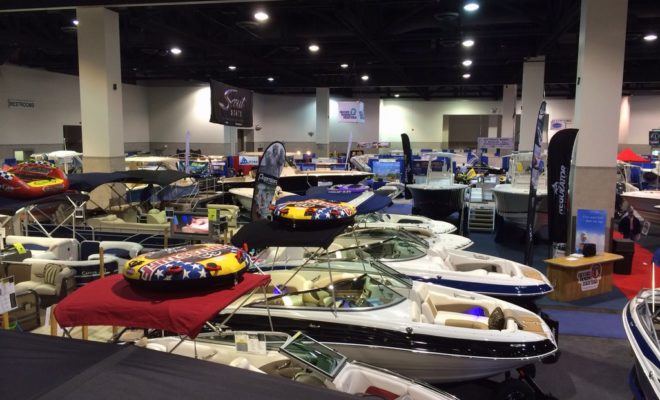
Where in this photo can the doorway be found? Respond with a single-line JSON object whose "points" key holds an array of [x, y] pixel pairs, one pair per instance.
{"points": [[245, 140], [73, 137]]}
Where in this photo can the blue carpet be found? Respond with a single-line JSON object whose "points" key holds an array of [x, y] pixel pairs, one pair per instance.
{"points": [[584, 323], [396, 208]]}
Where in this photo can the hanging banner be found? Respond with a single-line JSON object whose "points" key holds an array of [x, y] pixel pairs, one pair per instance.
{"points": [[351, 111], [537, 167], [230, 105], [560, 150], [268, 173], [407, 163]]}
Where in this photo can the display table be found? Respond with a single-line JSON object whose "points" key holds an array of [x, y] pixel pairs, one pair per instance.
{"points": [[576, 278]]}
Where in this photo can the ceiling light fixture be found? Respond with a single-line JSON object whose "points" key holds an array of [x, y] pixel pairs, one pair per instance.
{"points": [[261, 16], [75, 22], [365, 77], [232, 68], [650, 37], [175, 50], [466, 76], [471, 6], [467, 63], [344, 66], [396, 95], [314, 48], [271, 79], [468, 43]]}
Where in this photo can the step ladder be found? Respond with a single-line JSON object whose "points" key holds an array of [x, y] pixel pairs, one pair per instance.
{"points": [[481, 218]]}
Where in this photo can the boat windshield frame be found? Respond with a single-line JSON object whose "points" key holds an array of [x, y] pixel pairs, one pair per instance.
{"points": [[312, 346], [404, 238]]}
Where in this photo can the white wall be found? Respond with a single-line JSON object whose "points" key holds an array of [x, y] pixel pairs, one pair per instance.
{"points": [[57, 103], [644, 116], [284, 118], [175, 110]]}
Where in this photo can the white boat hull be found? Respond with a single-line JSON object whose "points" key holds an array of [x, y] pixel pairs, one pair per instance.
{"points": [[512, 203], [644, 202]]}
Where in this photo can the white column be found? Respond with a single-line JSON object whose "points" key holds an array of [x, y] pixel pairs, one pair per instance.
{"points": [[322, 133], [598, 103], [624, 119], [532, 96], [509, 97], [100, 89], [231, 139]]}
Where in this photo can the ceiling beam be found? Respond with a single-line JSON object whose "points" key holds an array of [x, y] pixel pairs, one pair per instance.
{"points": [[42, 5]]}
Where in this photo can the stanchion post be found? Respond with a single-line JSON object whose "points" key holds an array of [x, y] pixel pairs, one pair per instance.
{"points": [[53, 321], [5, 320], [101, 264], [85, 332]]}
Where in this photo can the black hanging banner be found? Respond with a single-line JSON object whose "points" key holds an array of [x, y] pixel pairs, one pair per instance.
{"points": [[230, 105], [560, 150], [537, 168], [265, 183], [407, 162]]}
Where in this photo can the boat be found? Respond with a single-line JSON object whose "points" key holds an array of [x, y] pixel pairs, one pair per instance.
{"points": [[244, 195], [640, 321], [404, 221], [297, 181], [434, 193], [511, 199], [644, 202], [113, 301], [415, 258], [372, 313], [32, 179], [298, 358]]}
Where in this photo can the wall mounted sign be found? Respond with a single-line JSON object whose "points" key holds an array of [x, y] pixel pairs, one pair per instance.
{"points": [[351, 111], [248, 160], [22, 104], [494, 143], [654, 137]]}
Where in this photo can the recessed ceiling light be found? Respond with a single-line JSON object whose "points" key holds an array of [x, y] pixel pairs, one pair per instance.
{"points": [[468, 43], [232, 68], [314, 48], [344, 65], [75, 22], [471, 6], [650, 37], [466, 76], [396, 95], [271, 79], [467, 63], [260, 16], [365, 77], [175, 50]]}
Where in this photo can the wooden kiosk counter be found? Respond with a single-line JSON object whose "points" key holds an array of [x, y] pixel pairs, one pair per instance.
{"points": [[579, 277]]}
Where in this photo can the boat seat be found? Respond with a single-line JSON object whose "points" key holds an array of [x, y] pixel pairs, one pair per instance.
{"points": [[47, 248], [460, 320], [244, 363], [316, 298], [415, 312], [308, 379]]}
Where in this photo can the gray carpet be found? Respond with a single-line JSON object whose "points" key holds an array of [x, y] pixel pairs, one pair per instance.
{"points": [[589, 368]]}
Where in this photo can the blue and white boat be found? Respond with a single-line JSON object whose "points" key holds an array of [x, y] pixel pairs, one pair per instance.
{"points": [[640, 321]]}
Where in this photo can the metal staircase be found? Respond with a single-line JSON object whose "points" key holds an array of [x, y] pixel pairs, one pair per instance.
{"points": [[481, 218]]}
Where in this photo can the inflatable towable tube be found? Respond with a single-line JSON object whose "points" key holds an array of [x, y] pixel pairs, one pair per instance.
{"points": [[314, 212], [188, 267], [32, 179]]}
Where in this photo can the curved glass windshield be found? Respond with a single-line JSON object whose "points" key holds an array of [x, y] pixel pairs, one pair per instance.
{"points": [[360, 292], [314, 354], [379, 246]]}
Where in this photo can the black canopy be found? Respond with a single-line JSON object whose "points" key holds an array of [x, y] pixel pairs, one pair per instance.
{"points": [[45, 367], [264, 233], [91, 180], [9, 205]]}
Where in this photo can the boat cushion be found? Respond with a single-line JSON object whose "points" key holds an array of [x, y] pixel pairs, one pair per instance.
{"points": [[461, 320], [50, 273]]}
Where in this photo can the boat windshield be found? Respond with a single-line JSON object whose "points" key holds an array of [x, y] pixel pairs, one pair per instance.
{"points": [[648, 319], [381, 245], [313, 354], [273, 340], [361, 292]]}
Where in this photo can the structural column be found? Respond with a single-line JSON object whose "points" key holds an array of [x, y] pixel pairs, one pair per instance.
{"points": [[598, 104], [532, 96], [231, 139], [509, 97], [100, 89], [322, 122]]}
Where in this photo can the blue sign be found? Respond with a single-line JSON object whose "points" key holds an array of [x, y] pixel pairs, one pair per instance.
{"points": [[590, 227]]}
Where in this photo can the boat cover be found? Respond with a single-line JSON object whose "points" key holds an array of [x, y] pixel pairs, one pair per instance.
{"points": [[263, 233], [113, 301], [90, 181], [46, 367], [375, 203], [9, 205]]}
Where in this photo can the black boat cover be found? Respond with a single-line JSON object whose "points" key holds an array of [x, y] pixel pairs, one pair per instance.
{"points": [[46, 367], [10, 205], [264, 233], [374, 203], [90, 181]]}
